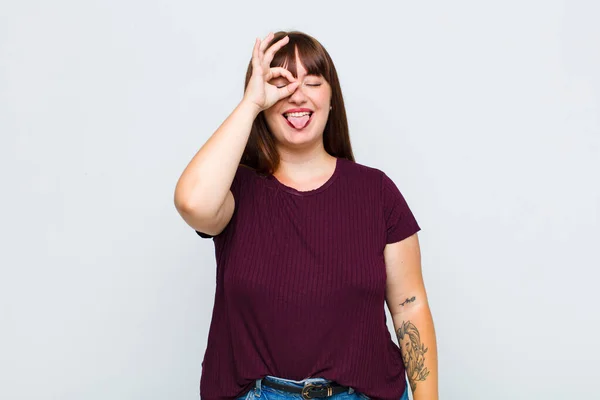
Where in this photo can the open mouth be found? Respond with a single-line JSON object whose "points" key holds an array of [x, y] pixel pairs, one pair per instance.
{"points": [[298, 120]]}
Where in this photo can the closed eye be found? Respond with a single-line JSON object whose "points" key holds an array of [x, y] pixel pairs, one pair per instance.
{"points": [[316, 84]]}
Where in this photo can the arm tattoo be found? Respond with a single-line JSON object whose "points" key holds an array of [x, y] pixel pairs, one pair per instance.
{"points": [[408, 301], [413, 353]]}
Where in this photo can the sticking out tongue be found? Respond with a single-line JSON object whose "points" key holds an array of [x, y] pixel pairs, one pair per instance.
{"points": [[299, 122]]}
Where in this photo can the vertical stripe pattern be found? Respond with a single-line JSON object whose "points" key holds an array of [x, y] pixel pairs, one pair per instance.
{"points": [[300, 288]]}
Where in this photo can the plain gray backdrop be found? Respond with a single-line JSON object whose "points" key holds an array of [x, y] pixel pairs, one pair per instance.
{"points": [[485, 114]]}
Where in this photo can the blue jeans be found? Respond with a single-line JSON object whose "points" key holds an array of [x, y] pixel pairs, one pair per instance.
{"points": [[275, 394]]}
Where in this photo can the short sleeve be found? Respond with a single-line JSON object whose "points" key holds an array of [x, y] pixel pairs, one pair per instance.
{"points": [[204, 235], [242, 175], [399, 219]]}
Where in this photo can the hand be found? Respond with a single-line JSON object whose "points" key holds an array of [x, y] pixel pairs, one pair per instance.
{"points": [[259, 92]]}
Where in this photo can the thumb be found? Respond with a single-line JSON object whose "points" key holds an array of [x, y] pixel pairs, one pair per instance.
{"points": [[288, 89]]}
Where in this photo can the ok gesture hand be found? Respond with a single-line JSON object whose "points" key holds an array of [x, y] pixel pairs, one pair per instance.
{"points": [[259, 91]]}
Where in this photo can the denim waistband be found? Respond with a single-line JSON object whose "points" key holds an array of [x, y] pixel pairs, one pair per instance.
{"points": [[290, 382]]}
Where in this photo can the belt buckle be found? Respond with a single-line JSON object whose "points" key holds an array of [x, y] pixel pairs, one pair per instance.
{"points": [[305, 389]]}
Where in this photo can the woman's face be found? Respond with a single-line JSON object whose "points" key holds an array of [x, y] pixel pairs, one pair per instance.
{"points": [[314, 95]]}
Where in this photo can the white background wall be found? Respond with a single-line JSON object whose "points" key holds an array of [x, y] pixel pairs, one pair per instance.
{"points": [[485, 114]]}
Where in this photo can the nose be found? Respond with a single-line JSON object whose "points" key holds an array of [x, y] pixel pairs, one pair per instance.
{"points": [[298, 96]]}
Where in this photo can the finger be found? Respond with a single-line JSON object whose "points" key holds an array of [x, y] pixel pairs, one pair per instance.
{"points": [[268, 57], [288, 75], [255, 59], [265, 43], [276, 72], [287, 90]]}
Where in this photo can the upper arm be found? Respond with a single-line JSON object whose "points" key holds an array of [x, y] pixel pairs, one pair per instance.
{"points": [[211, 226], [404, 283]]}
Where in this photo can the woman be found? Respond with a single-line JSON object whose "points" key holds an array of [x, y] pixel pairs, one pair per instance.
{"points": [[309, 244]]}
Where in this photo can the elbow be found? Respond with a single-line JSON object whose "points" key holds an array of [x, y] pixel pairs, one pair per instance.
{"points": [[196, 205], [194, 209], [185, 204], [182, 203]]}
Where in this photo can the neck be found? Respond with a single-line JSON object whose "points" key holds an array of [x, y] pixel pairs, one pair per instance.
{"points": [[303, 167]]}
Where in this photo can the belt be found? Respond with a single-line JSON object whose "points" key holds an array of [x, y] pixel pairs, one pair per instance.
{"points": [[311, 390]]}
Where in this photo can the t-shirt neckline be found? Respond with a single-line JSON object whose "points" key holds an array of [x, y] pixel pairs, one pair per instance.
{"points": [[321, 188]]}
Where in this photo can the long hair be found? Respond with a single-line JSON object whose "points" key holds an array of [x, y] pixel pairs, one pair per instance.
{"points": [[260, 152]]}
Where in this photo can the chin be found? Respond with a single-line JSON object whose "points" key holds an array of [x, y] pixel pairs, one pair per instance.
{"points": [[301, 137]]}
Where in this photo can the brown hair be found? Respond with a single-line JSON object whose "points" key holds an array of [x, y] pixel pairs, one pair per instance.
{"points": [[260, 152]]}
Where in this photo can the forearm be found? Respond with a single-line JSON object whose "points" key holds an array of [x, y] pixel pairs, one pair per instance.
{"points": [[416, 338]]}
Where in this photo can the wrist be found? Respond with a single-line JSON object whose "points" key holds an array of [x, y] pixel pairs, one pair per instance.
{"points": [[250, 107]]}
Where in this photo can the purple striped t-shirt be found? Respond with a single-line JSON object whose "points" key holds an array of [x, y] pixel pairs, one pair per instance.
{"points": [[300, 288]]}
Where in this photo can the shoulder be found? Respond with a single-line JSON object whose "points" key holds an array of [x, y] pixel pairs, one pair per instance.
{"points": [[244, 180], [359, 169], [365, 174], [245, 173], [400, 222], [374, 181]]}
